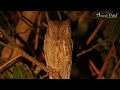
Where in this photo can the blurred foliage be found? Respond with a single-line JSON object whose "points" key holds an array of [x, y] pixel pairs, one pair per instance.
{"points": [[113, 29], [22, 72], [81, 30]]}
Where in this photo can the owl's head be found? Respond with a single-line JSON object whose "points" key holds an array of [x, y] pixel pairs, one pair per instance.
{"points": [[65, 30], [59, 29]]}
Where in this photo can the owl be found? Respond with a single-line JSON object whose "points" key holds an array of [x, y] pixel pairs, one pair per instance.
{"points": [[58, 47]]}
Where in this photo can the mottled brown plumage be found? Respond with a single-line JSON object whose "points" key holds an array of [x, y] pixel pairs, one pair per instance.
{"points": [[58, 47]]}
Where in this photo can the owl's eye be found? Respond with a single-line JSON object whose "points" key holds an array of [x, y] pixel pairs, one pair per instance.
{"points": [[52, 31], [63, 29]]}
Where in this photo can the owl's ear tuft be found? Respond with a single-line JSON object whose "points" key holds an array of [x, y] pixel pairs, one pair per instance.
{"points": [[67, 22], [50, 22]]}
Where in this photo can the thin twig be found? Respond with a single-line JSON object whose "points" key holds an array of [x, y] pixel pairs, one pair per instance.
{"points": [[37, 32], [10, 61], [27, 21], [95, 32], [107, 59], [46, 15], [114, 70], [58, 12], [10, 27], [44, 24], [6, 45], [44, 76], [90, 49], [7, 36], [92, 71], [94, 67], [85, 14]]}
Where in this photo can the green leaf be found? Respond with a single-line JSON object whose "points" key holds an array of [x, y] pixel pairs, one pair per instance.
{"points": [[18, 72], [22, 71], [28, 72]]}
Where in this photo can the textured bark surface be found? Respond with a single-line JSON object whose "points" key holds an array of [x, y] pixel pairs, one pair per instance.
{"points": [[58, 48]]}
